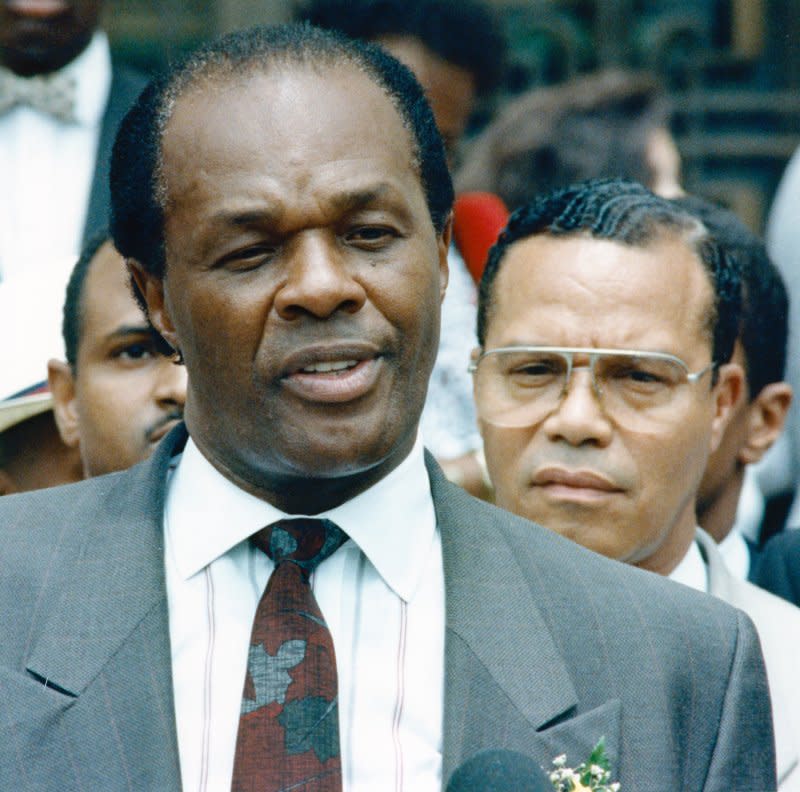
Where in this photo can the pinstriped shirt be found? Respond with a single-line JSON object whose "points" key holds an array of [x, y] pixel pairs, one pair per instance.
{"points": [[382, 595]]}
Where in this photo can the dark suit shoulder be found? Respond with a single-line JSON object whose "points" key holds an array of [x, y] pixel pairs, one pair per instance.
{"points": [[777, 568]]}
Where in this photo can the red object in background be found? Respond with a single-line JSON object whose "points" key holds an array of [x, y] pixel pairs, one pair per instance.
{"points": [[479, 217]]}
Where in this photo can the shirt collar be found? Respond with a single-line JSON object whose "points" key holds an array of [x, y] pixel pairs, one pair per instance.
{"points": [[393, 522], [691, 571]]}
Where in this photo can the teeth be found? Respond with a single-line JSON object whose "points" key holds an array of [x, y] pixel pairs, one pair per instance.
{"points": [[323, 368]]}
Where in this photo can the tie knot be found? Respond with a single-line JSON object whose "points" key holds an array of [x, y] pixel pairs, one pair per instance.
{"points": [[304, 541]]}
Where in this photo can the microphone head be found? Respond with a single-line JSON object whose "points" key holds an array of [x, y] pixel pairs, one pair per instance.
{"points": [[498, 770], [479, 217]]}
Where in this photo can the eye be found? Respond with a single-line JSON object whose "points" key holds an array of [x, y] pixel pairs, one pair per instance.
{"points": [[641, 378], [371, 236], [248, 258], [135, 351], [536, 370]]}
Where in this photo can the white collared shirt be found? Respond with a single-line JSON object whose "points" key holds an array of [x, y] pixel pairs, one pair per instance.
{"points": [[382, 595], [691, 571], [736, 554], [47, 167]]}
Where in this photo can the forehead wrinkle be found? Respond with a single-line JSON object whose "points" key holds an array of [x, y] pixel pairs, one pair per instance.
{"points": [[271, 213]]}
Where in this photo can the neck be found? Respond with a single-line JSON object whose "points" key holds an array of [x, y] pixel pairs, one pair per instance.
{"points": [[673, 549], [310, 494], [718, 515]]}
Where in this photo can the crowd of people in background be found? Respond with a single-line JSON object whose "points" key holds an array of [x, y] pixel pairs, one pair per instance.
{"points": [[419, 389]]}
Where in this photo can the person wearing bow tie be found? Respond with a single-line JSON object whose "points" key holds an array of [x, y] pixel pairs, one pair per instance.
{"points": [[61, 100]]}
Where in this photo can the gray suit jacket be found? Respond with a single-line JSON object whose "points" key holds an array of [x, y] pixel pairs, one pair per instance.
{"points": [[548, 647], [126, 85]]}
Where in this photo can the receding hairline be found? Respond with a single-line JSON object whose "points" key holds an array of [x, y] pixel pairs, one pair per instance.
{"points": [[691, 236], [222, 73]]}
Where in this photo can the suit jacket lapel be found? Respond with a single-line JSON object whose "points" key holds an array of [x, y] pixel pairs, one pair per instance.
{"points": [[497, 694], [105, 642]]}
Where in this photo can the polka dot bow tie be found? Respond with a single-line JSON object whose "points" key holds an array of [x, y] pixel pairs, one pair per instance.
{"points": [[53, 95]]}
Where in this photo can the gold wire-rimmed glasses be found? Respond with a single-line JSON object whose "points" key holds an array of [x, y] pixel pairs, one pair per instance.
{"points": [[517, 386]]}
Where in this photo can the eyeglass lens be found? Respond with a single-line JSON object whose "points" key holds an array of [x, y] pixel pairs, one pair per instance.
{"points": [[520, 387]]}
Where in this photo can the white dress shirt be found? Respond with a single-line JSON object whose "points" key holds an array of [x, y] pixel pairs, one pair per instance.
{"points": [[736, 554], [692, 570], [382, 595], [47, 167]]}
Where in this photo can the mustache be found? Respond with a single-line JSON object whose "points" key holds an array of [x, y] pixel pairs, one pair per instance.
{"points": [[170, 417]]}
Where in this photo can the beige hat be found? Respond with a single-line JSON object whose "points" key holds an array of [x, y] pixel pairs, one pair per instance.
{"points": [[21, 408]]}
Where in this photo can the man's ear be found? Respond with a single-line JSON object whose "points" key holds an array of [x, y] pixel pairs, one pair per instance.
{"points": [[727, 394], [65, 403], [151, 290], [766, 417], [443, 244]]}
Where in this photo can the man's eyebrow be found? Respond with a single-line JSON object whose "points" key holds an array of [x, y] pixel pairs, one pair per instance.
{"points": [[125, 331], [270, 212]]}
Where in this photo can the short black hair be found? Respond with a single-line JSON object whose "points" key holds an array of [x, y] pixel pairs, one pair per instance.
{"points": [[626, 212], [764, 320], [72, 320], [464, 33], [137, 200]]}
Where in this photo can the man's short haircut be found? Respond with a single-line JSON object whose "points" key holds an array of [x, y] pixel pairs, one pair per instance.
{"points": [[464, 33], [625, 212], [72, 321], [594, 126], [764, 320], [137, 190]]}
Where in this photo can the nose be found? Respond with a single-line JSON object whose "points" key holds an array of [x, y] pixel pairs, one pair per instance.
{"points": [[170, 386], [319, 282], [579, 417]]}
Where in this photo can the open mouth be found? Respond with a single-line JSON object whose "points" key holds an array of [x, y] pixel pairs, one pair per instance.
{"points": [[331, 367], [334, 381]]}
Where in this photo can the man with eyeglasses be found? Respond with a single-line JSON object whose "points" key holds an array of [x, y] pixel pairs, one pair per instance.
{"points": [[607, 320]]}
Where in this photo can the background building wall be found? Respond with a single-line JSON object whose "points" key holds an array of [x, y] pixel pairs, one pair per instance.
{"points": [[732, 68]]}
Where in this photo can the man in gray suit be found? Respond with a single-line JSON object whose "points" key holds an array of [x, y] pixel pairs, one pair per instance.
{"points": [[284, 204]]}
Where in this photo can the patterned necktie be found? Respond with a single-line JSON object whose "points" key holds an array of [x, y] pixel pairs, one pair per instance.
{"points": [[289, 723], [51, 94]]}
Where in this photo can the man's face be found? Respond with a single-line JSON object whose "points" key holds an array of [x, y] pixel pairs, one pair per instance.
{"points": [[623, 488], [450, 89], [123, 396], [38, 37], [303, 282], [755, 424]]}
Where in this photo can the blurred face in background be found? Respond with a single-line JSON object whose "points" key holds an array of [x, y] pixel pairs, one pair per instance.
{"points": [[123, 395], [40, 36]]}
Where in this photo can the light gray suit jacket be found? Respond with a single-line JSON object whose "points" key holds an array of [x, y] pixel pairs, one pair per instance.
{"points": [[548, 647], [778, 625]]}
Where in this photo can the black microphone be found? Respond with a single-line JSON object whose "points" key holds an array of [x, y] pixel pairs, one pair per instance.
{"points": [[499, 770]]}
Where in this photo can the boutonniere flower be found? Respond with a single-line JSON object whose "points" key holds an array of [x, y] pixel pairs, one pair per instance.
{"points": [[593, 775]]}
